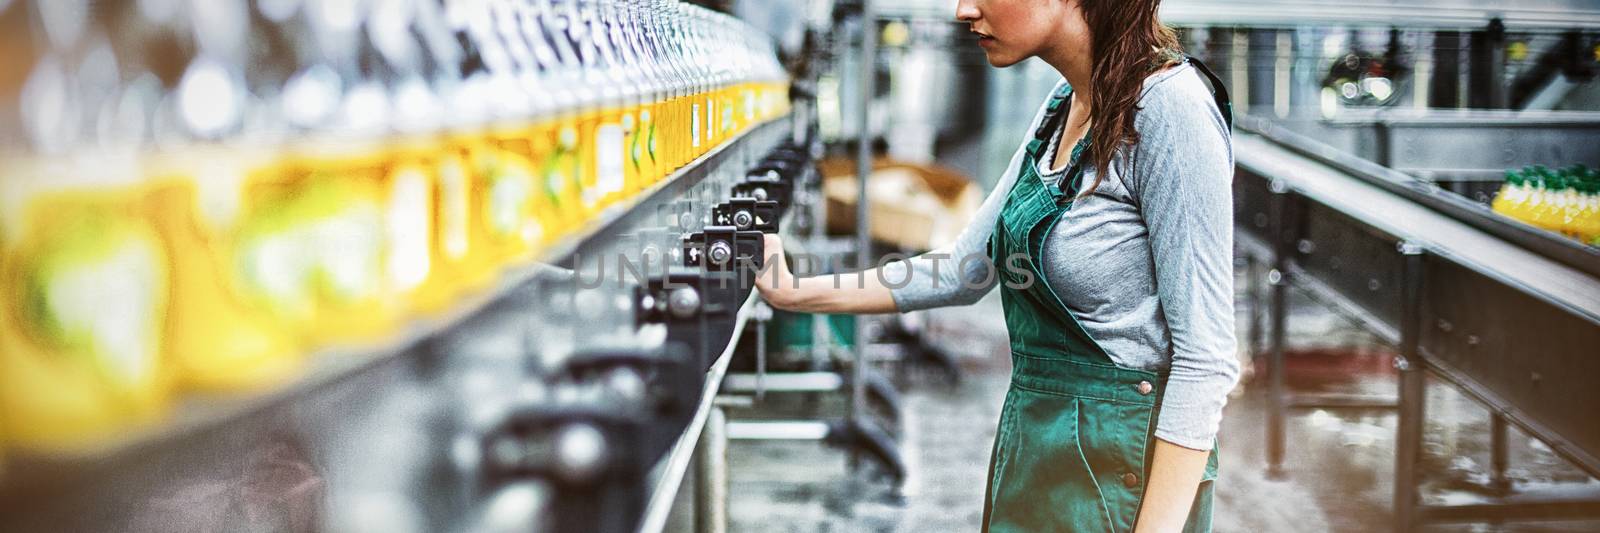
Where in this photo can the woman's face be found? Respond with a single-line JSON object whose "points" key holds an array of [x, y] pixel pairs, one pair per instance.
{"points": [[1013, 30]]}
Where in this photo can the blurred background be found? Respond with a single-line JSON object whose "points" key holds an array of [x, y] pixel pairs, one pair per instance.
{"points": [[479, 265]]}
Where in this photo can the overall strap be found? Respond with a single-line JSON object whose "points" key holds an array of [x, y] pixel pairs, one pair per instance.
{"points": [[1218, 90], [1053, 112]]}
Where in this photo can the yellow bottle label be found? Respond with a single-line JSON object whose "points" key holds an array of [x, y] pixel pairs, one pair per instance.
{"points": [[410, 231], [81, 349], [566, 167], [641, 153], [454, 209], [627, 151], [711, 122], [694, 130], [609, 165], [588, 175]]}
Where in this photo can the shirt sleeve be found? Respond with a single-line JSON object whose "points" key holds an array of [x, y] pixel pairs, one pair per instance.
{"points": [[1182, 176], [960, 272]]}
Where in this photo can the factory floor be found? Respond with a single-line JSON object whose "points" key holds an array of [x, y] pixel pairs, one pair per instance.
{"points": [[1339, 464]]}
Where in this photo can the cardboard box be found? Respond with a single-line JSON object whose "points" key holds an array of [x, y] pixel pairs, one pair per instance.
{"points": [[914, 207]]}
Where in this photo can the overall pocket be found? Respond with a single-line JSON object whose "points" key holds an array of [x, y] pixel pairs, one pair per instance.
{"points": [[1041, 480], [1115, 437]]}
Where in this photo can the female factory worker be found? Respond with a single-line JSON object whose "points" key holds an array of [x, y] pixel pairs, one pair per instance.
{"points": [[1110, 238]]}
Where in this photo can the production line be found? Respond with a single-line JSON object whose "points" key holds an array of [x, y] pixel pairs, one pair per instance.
{"points": [[490, 265], [315, 299]]}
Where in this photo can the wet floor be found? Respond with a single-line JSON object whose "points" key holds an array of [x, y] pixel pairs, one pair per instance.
{"points": [[1339, 464]]}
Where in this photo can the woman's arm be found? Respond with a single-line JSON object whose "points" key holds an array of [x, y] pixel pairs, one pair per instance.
{"points": [[933, 279], [938, 278], [1182, 177], [1175, 473], [957, 274], [845, 293]]}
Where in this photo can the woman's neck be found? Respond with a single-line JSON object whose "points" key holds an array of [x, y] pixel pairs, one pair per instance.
{"points": [[1076, 66]]}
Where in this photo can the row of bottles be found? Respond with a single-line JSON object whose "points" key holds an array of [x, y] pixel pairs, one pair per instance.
{"points": [[1565, 201], [208, 191]]}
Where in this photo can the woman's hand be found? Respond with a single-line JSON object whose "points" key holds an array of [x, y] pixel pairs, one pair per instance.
{"points": [[1175, 473], [857, 292], [776, 283]]}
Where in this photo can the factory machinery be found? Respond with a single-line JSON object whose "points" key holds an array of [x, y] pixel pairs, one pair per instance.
{"points": [[1424, 169], [400, 265]]}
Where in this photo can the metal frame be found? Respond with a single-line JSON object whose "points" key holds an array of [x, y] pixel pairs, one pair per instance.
{"points": [[1448, 145], [1552, 14], [858, 430], [1542, 243], [1440, 325], [669, 473]]}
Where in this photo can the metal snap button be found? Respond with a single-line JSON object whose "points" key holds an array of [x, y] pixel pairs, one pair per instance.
{"points": [[1144, 388], [1130, 480]]}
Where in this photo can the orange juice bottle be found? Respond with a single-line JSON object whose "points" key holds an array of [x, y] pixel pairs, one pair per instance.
{"points": [[606, 148], [730, 107], [219, 341], [458, 250], [461, 227], [642, 151], [503, 199], [603, 75], [321, 217], [559, 164], [426, 193], [86, 283], [647, 74]]}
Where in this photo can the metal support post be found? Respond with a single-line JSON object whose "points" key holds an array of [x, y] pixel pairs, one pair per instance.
{"points": [[1278, 278], [1444, 88], [865, 87], [762, 317], [1487, 75], [1253, 335], [711, 476], [1408, 441], [1499, 456]]}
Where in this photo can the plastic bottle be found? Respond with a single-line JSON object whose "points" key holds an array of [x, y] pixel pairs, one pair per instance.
{"points": [[1507, 200], [1587, 226], [502, 173], [87, 281], [331, 198], [564, 166], [1536, 211], [653, 92], [85, 277], [220, 340]]}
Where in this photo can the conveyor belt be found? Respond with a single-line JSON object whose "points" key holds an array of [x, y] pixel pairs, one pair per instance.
{"points": [[668, 475], [339, 391], [1484, 253]]}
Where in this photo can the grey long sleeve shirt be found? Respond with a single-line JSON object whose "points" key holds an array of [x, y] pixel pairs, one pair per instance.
{"points": [[1145, 263]]}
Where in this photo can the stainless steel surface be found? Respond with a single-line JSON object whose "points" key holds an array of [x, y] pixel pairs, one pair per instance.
{"points": [[778, 430], [1406, 13], [1563, 286], [1508, 327], [711, 476], [785, 382], [1440, 145], [1394, 190], [668, 474]]}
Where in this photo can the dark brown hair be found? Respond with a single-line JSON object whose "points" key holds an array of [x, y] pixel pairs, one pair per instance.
{"points": [[1128, 42]]}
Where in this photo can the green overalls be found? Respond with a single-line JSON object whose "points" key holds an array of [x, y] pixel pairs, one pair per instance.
{"points": [[1076, 431]]}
